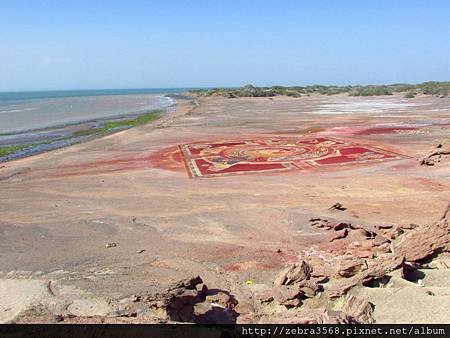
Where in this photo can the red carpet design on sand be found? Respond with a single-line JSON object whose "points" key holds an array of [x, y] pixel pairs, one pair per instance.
{"points": [[275, 154]]}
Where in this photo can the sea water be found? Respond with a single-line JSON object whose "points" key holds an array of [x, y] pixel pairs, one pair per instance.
{"points": [[21, 111]]}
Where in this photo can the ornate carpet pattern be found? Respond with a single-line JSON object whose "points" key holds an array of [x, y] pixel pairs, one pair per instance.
{"points": [[275, 154]]}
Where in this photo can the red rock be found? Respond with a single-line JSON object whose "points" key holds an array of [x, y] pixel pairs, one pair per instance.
{"points": [[287, 295], [384, 226], [359, 309], [378, 270], [320, 279], [380, 240], [423, 241], [435, 156], [364, 232], [220, 298], [383, 249], [309, 288], [340, 226], [320, 268], [394, 233], [294, 274], [408, 226], [339, 234], [367, 253], [348, 268], [359, 235], [189, 300], [188, 283], [312, 316], [265, 297]]}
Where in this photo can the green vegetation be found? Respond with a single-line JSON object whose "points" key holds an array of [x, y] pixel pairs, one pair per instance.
{"points": [[111, 126], [371, 91], [87, 132], [426, 88], [435, 88], [410, 95], [137, 121], [8, 150]]}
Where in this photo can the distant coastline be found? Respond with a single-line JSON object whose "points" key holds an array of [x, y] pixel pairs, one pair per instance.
{"points": [[151, 105], [50, 94]]}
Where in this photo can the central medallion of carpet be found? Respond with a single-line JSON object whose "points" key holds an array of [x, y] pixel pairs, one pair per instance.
{"points": [[275, 154]]}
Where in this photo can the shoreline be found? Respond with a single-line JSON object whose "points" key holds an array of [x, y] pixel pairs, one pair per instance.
{"points": [[31, 142], [75, 121]]}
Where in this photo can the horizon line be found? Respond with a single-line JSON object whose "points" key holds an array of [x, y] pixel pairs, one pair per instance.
{"points": [[212, 87]]}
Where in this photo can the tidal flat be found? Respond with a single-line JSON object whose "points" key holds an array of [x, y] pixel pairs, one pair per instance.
{"points": [[18, 145]]}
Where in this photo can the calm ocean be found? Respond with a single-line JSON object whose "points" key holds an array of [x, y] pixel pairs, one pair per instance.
{"points": [[20, 111]]}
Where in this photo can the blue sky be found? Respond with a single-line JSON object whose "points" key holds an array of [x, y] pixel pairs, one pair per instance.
{"points": [[60, 44]]}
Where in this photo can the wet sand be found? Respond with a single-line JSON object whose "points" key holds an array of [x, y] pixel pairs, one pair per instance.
{"points": [[59, 209]]}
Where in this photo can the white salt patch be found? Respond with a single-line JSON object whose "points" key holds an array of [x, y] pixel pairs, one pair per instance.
{"points": [[366, 106]]}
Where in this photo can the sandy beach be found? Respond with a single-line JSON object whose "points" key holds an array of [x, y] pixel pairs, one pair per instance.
{"points": [[95, 231]]}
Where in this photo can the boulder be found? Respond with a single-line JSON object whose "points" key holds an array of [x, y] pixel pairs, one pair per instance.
{"points": [[435, 156], [359, 309], [380, 240], [287, 295], [423, 241], [340, 226], [348, 268], [339, 235], [293, 274], [312, 316], [309, 288], [377, 270]]}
